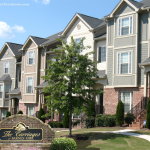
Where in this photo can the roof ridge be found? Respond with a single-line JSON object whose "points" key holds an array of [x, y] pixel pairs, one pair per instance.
{"points": [[89, 16], [13, 43]]}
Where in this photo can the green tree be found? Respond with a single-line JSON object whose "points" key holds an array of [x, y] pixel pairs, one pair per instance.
{"points": [[148, 115], [70, 79], [41, 114], [120, 113], [8, 114]]}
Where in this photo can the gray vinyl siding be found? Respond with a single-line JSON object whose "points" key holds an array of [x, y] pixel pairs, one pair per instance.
{"points": [[143, 54], [124, 9], [126, 41], [110, 66], [143, 32], [124, 80], [110, 32]]}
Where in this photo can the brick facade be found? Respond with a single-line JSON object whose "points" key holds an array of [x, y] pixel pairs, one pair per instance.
{"points": [[112, 96]]}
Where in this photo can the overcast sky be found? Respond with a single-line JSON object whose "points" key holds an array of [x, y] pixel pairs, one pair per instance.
{"points": [[21, 18]]}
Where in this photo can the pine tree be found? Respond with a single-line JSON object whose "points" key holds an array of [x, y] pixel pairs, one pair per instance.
{"points": [[120, 113]]}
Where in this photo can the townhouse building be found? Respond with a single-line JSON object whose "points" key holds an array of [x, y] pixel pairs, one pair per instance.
{"points": [[121, 45]]}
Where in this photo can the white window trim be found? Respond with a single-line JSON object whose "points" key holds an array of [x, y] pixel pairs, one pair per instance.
{"points": [[26, 85], [27, 62], [118, 71], [4, 64], [119, 28], [98, 54], [131, 97]]}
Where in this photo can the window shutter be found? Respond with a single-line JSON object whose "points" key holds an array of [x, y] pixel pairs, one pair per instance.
{"points": [[131, 22], [99, 54], [119, 59], [119, 27]]}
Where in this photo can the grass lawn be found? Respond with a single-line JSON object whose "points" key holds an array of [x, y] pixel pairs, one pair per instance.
{"points": [[107, 141]]}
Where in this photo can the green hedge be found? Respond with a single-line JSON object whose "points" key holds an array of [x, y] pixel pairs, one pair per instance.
{"points": [[63, 144], [90, 122], [105, 121], [55, 124]]}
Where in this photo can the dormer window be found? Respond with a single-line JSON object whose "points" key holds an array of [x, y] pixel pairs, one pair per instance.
{"points": [[31, 57], [125, 25], [6, 67]]}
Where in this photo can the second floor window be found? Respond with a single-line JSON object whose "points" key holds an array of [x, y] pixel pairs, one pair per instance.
{"points": [[29, 85], [31, 57], [125, 25], [78, 40], [102, 54], [6, 67], [124, 63]]}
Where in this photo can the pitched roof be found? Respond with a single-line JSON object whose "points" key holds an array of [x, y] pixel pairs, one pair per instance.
{"points": [[145, 3], [92, 21], [5, 77], [101, 74], [135, 3], [15, 48], [38, 40], [146, 62], [42, 85], [51, 39]]}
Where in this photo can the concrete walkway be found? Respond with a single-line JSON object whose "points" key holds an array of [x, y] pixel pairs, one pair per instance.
{"points": [[128, 132]]}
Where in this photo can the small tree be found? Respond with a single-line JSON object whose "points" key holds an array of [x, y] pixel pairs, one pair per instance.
{"points": [[120, 113], [148, 115], [70, 79], [41, 114], [8, 114]]}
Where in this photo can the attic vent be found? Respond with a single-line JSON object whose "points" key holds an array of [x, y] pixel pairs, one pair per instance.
{"points": [[78, 26]]}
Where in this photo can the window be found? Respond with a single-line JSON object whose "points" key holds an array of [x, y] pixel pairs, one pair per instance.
{"points": [[7, 89], [78, 40], [1, 91], [125, 26], [31, 57], [102, 54], [6, 67], [31, 110], [4, 112], [126, 98], [29, 85], [124, 63]]}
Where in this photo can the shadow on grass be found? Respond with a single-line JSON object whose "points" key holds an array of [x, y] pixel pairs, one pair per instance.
{"points": [[92, 143]]}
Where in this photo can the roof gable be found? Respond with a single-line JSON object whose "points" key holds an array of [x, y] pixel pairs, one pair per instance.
{"points": [[131, 3], [90, 22]]}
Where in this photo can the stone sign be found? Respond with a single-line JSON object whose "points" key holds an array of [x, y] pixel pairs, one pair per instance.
{"points": [[25, 129]]}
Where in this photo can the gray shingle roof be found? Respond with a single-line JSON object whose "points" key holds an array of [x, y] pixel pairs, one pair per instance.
{"points": [[146, 3], [15, 48], [15, 91], [135, 3], [38, 40], [51, 39], [5, 77], [91, 21]]}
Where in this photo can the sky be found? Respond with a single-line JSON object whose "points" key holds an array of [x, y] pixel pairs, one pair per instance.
{"points": [[22, 18]]}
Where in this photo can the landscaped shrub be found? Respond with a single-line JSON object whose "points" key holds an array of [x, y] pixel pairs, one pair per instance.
{"points": [[148, 115], [129, 118], [8, 114], [120, 113], [63, 144], [66, 120], [55, 124], [41, 114], [90, 122], [20, 112], [105, 121]]}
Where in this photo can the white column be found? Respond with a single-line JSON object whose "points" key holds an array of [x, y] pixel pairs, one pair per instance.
{"points": [[145, 84]]}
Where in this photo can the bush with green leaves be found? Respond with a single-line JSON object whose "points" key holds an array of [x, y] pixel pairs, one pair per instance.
{"points": [[105, 121], [55, 124], [90, 122], [20, 112], [63, 144], [148, 115], [120, 113], [41, 114], [8, 114], [129, 118]]}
